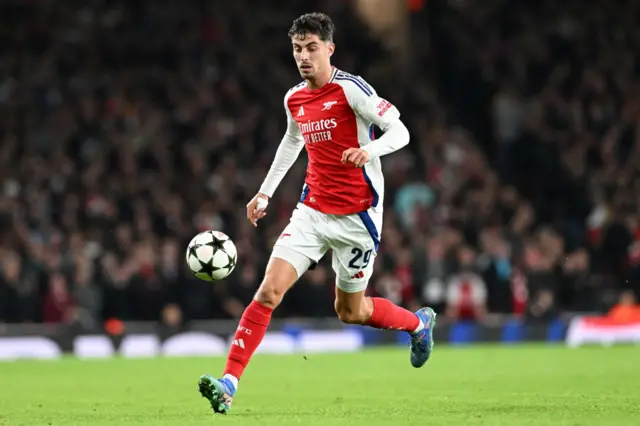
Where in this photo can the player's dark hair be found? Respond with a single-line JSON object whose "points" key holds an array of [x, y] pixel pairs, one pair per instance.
{"points": [[316, 23]]}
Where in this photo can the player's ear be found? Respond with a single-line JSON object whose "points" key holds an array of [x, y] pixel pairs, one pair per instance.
{"points": [[331, 47]]}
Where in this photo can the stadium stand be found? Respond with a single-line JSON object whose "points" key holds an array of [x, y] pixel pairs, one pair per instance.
{"points": [[127, 127]]}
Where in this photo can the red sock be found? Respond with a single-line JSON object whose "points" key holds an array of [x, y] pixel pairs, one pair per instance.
{"points": [[388, 316], [253, 325]]}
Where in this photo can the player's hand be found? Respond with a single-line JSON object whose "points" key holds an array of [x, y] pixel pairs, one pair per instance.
{"points": [[356, 156], [256, 208]]}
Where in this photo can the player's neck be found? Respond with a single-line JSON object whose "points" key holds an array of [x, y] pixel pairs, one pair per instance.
{"points": [[320, 80]]}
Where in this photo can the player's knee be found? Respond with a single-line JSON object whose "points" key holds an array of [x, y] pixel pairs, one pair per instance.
{"points": [[279, 277], [350, 314], [269, 295], [271, 291]]}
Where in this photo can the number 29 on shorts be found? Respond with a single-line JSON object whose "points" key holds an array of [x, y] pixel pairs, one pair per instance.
{"points": [[360, 259]]}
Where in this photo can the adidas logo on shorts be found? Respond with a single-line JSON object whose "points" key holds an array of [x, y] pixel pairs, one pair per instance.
{"points": [[358, 275]]}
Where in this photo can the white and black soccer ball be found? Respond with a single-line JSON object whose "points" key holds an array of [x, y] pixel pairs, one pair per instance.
{"points": [[211, 255]]}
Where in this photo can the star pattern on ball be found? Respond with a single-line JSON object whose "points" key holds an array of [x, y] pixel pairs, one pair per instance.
{"points": [[232, 262], [211, 256], [192, 251], [217, 244], [209, 268]]}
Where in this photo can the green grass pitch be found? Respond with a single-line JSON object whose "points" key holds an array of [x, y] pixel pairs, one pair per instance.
{"points": [[483, 385]]}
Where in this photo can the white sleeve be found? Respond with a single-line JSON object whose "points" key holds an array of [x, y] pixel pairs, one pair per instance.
{"points": [[287, 153], [372, 108]]}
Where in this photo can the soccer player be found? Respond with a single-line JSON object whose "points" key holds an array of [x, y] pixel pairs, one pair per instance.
{"points": [[332, 114]]}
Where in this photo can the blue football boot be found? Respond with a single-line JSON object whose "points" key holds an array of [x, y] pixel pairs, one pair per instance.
{"points": [[422, 342]]}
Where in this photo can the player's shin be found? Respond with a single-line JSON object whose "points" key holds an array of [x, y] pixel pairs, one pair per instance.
{"points": [[388, 316], [250, 332], [279, 277]]}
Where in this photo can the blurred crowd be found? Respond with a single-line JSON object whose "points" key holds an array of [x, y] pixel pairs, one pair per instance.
{"points": [[127, 127]]}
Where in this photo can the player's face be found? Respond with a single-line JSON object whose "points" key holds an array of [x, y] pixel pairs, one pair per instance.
{"points": [[311, 54]]}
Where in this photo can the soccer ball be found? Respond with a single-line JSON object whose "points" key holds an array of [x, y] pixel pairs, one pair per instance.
{"points": [[211, 255]]}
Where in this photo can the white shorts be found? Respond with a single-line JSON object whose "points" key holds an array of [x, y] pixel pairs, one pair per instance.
{"points": [[353, 238]]}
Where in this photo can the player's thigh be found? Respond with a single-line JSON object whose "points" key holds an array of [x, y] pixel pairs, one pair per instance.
{"points": [[355, 247], [301, 244]]}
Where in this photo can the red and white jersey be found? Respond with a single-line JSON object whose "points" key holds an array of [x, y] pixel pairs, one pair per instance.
{"points": [[338, 116]]}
